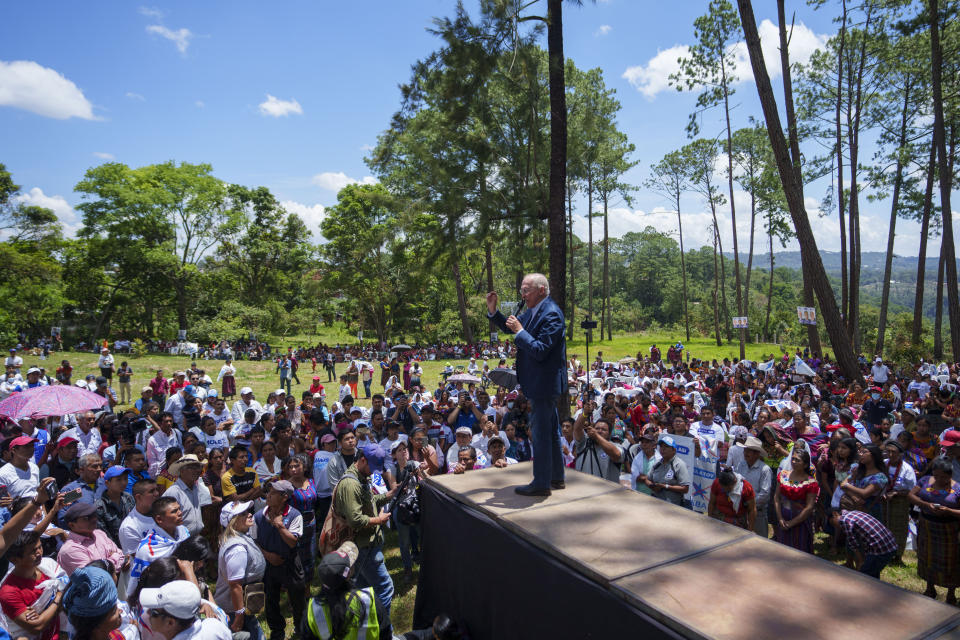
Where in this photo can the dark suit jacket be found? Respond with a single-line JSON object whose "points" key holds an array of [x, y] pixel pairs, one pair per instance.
{"points": [[542, 351]]}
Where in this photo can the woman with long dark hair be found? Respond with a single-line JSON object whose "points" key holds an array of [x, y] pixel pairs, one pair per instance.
{"points": [[938, 557], [304, 500], [794, 502], [868, 481]]}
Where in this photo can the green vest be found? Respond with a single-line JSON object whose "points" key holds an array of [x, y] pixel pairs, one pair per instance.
{"points": [[363, 607]]}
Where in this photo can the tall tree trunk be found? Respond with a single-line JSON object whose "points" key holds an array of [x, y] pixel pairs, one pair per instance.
{"points": [[461, 297], [742, 333], [558, 159], [940, 141], [853, 135], [766, 324], [180, 286], [841, 196], [938, 318], [590, 244], [728, 329], [813, 336], [843, 351], [753, 229], [573, 288], [922, 257], [606, 270], [488, 259], [724, 310], [683, 271], [716, 283], [891, 234]]}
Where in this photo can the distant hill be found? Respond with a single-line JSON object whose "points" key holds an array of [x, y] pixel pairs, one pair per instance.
{"points": [[903, 276], [871, 261]]}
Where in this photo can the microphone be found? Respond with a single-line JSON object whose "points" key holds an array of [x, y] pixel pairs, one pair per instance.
{"points": [[520, 306]]}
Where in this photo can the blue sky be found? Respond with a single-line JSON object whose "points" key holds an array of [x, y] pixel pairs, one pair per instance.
{"points": [[291, 95]]}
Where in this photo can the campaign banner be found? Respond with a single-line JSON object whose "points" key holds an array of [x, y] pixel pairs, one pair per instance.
{"points": [[807, 315], [740, 322], [703, 471]]}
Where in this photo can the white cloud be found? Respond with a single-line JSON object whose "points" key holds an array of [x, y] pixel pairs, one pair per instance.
{"points": [[68, 217], [24, 84], [367, 147], [104, 156], [135, 96], [803, 43], [335, 181], [654, 77], [151, 12], [603, 30], [200, 104], [312, 215], [180, 37], [278, 108]]}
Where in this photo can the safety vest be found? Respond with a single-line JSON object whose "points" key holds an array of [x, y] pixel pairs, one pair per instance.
{"points": [[362, 606]]}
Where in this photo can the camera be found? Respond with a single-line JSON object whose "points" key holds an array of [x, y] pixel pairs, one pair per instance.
{"points": [[127, 430]]}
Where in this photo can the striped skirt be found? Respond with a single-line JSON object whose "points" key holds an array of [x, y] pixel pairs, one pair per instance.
{"points": [[799, 536], [937, 554], [896, 515]]}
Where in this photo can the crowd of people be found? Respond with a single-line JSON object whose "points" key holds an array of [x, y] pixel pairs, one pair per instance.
{"points": [[218, 508]]}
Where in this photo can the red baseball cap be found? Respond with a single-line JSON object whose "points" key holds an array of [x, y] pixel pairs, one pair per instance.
{"points": [[950, 438], [65, 441], [24, 440]]}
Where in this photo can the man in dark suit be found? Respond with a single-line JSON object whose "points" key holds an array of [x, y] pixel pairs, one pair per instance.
{"points": [[542, 374]]}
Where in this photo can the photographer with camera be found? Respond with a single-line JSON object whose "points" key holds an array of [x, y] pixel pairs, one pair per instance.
{"points": [[595, 453], [465, 414]]}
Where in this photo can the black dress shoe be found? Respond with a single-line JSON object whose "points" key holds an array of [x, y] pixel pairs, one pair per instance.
{"points": [[558, 485], [532, 491]]}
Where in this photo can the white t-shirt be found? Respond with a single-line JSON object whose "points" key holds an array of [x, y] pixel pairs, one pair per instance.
{"points": [[320, 461], [264, 472], [220, 418], [219, 440], [133, 529], [105, 362], [711, 435], [880, 373], [20, 482]]}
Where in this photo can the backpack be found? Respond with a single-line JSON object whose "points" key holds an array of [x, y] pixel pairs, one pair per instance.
{"points": [[335, 530]]}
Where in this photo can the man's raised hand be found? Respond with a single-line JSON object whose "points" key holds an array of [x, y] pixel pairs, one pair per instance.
{"points": [[492, 302]]}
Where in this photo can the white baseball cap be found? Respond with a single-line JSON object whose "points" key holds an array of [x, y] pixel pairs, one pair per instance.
{"points": [[245, 391], [232, 509], [179, 598]]}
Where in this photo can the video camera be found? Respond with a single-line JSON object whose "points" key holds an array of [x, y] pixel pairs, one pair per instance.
{"points": [[127, 429]]}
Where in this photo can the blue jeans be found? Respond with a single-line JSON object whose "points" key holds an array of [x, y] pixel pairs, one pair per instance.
{"points": [[251, 626], [409, 541], [874, 564], [285, 384], [372, 572], [366, 386], [545, 430]]}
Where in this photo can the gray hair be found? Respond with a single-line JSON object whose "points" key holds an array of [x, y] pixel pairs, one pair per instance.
{"points": [[470, 449], [87, 459], [539, 280]]}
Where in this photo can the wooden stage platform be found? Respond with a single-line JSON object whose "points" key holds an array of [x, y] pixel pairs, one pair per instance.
{"points": [[653, 566]]}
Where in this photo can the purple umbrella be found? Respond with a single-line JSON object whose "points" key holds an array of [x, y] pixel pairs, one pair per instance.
{"points": [[52, 400]]}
